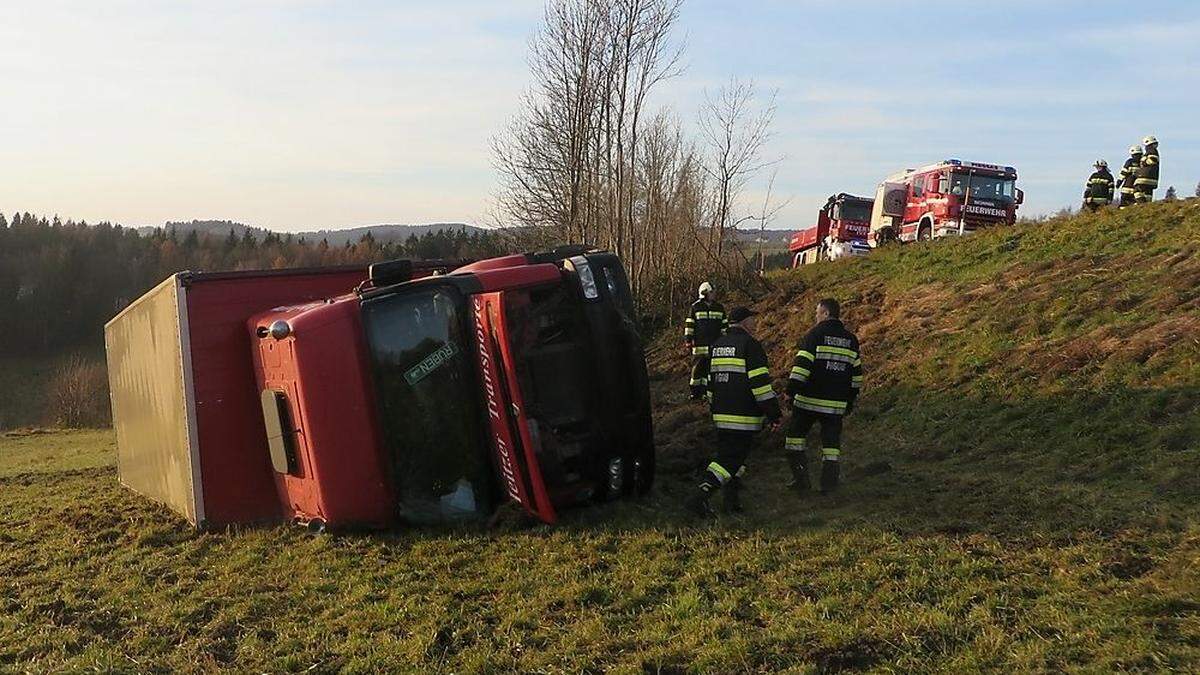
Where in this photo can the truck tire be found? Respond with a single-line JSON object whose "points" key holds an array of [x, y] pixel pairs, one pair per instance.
{"points": [[925, 231]]}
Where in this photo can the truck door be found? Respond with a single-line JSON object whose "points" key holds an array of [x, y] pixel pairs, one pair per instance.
{"points": [[916, 199], [515, 435]]}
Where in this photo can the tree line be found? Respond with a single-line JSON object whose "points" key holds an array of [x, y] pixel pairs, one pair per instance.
{"points": [[61, 281]]}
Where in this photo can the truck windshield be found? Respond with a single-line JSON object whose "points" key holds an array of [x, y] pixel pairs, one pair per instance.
{"points": [[854, 210], [984, 187], [429, 404]]}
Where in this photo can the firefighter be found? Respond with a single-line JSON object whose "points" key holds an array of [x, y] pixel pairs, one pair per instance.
{"points": [[705, 323], [823, 385], [1099, 190], [1129, 175], [743, 402], [1147, 173]]}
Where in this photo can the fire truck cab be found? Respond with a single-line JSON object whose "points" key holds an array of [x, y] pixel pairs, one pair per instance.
{"points": [[840, 232], [427, 400], [945, 199]]}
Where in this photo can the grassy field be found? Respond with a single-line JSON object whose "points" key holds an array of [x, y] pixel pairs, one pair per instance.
{"points": [[1021, 494]]}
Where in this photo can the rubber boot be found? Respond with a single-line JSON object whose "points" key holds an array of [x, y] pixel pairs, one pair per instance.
{"points": [[698, 504], [829, 476], [731, 495], [799, 482]]}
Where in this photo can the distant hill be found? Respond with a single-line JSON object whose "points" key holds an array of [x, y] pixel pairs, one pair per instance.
{"points": [[382, 233], [769, 236]]}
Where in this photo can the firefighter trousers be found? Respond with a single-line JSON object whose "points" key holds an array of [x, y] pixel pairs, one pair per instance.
{"points": [[699, 377], [1127, 198], [831, 433], [1143, 194], [733, 447]]}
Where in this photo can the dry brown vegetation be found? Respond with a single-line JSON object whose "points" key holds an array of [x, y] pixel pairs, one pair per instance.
{"points": [[78, 394]]}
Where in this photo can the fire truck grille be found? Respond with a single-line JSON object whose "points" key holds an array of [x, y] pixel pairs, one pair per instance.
{"points": [[973, 222]]}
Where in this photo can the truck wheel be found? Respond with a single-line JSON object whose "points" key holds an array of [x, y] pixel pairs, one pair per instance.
{"points": [[925, 232]]}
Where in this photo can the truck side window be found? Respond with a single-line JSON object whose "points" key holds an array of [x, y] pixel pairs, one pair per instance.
{"points": [[943, 185], [917, 186]]}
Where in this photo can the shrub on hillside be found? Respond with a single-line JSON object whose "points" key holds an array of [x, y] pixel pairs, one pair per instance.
{"points": [[78, 394]]}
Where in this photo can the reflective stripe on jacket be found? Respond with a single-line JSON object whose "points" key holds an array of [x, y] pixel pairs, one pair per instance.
{"points": [[1147, 173], [1129, 173], [705, 323], [1099, 188], [739, 382], [826, 374]]}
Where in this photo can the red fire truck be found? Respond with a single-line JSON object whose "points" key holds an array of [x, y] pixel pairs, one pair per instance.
{"points": [[949, 198], [841, 231], [419, 399]]}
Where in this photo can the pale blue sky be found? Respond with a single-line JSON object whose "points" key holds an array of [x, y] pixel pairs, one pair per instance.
{"points": [[295, 115]]}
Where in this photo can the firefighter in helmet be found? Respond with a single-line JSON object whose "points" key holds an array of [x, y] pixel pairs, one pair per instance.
{"points": [[705, 323], [1128, 175], [1099, 190], [823, 385], [1147, 173], [743, 402]]}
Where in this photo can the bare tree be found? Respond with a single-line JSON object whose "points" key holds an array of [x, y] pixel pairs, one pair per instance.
{"points": [[767, 215], [585, 161], [735, 133]]}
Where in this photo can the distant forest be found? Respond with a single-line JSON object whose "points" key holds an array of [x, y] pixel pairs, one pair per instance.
{"points": [[61, 281]]}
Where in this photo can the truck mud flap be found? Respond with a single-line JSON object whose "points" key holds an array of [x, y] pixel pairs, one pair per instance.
{"points": [[512, 444]]}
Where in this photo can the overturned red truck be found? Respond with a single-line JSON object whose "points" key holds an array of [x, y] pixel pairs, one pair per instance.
{"points": [[398, 394], [840, 232]]}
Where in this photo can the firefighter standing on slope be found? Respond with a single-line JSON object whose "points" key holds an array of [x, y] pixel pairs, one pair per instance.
{"points": [[743, 402], [1129, 175], [1147, 173], [705, 323], [1099, 190], [823, 385]]}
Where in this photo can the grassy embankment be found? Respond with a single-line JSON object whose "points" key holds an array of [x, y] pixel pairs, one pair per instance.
{"points": [[1021, 493]]}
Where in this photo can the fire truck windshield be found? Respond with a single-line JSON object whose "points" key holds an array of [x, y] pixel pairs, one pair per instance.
{"points": [[854, 210], [983, 187], [428, 398]]}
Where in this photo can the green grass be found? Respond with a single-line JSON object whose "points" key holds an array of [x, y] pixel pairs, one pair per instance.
{"points": [[41, 451], [1020, 495]]}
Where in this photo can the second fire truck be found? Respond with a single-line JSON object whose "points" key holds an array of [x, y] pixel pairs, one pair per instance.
{"points": [[840, 232], [944, 199]]}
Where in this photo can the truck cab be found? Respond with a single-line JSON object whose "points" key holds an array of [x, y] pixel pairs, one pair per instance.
{"points": [[843, 224], [951, 198], [431, 400]]}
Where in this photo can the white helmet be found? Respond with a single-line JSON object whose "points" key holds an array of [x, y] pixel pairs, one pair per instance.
{"points": [[1135, 149], [1101, 164], [705, 289], [1149, 140]]}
